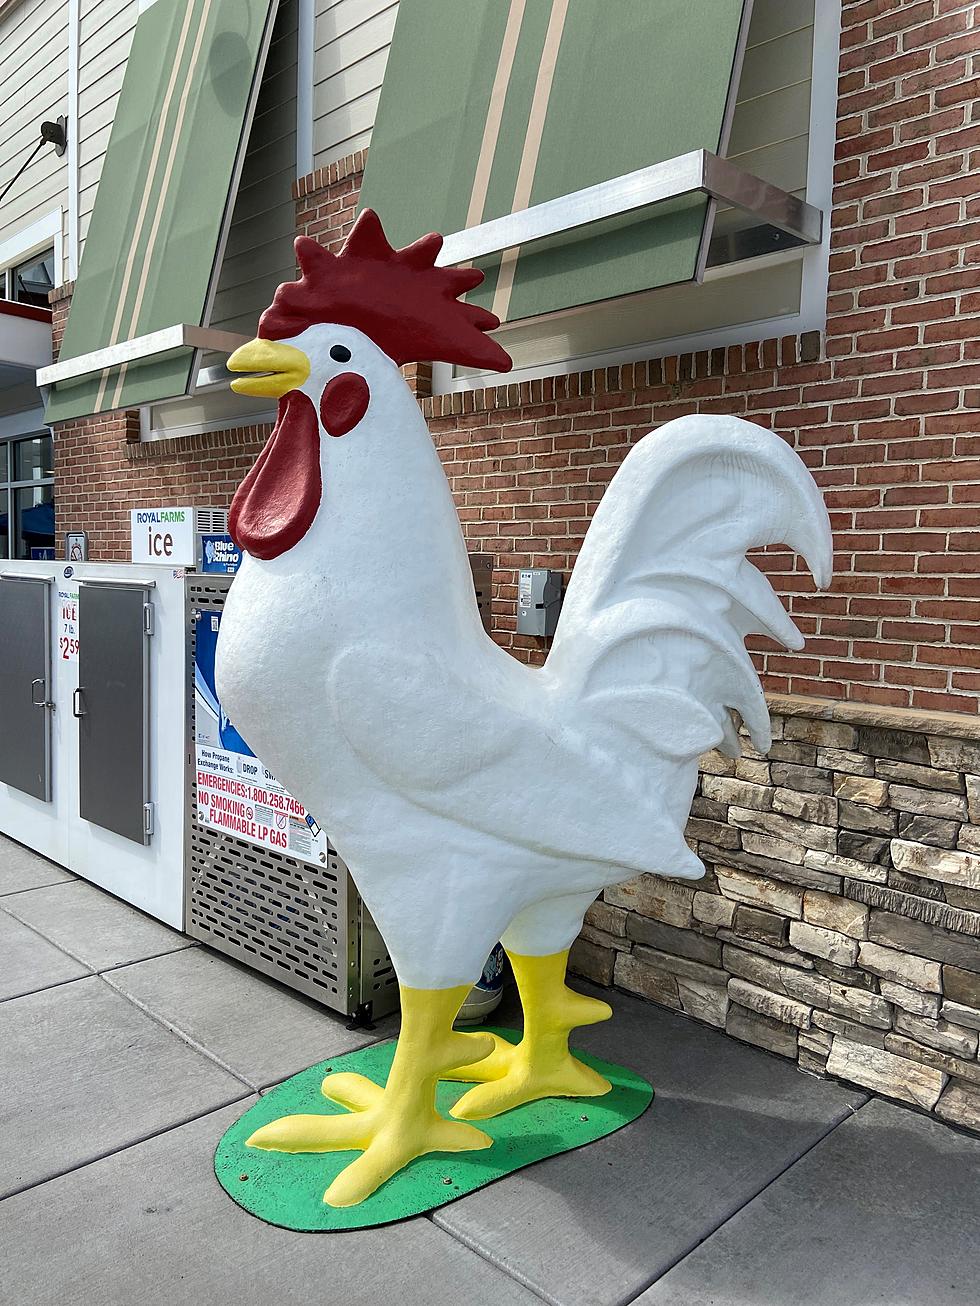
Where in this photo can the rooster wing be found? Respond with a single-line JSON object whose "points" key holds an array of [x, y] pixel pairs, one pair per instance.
{"points": [[649, 646], [486, 752]]}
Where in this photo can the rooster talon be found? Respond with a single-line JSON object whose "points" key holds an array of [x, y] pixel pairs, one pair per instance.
{"points": [[306, 1133], [393, 1148], [355, 1092], [494, 1065]]}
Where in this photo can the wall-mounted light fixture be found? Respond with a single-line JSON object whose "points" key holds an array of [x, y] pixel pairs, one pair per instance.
{"points": [[52, 133], [56, 134]]}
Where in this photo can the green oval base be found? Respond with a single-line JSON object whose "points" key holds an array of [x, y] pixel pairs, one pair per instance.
{"points": [[287, 1189]]}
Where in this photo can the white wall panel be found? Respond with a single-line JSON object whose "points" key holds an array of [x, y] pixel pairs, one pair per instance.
{"points": [[33, 87]]}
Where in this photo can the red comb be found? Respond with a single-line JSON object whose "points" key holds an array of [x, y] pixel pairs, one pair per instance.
{"points": [[398, 298]]}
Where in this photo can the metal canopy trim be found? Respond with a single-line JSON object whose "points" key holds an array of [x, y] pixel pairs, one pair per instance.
{"points": [[687, 174], [183, 336]]}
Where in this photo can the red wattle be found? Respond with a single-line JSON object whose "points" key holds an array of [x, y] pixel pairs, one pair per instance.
{"points": [[274, 506], [343, 403]]}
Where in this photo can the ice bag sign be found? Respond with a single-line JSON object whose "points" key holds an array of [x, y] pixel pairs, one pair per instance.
{"points": [[235, 792], [68, 622], [220, 553], [163, 535]]}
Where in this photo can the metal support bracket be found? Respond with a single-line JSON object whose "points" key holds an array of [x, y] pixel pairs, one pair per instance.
{"points": [[687, 174]]}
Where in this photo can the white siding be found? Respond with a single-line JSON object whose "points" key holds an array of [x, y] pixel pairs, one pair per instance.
{"points": [[352, 42], [33, 88], [105, 35]]}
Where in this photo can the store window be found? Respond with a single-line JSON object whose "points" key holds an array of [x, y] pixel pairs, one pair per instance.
{"points": [[27, 498], [31, 281]]}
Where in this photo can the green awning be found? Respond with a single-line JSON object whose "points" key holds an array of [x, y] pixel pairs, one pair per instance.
{"points": [[523, 101], [165, 197]]}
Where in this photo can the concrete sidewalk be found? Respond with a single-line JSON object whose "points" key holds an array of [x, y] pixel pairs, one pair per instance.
{"points": [[126, 1050]]}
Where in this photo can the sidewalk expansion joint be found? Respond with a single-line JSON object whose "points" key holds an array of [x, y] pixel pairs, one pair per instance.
{"points": [[125, 1147], [175, 1029], [848, 1114]]}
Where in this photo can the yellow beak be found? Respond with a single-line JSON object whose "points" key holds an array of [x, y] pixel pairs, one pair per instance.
{"points": [[286, 368]]}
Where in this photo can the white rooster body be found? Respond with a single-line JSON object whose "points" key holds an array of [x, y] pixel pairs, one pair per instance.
{"points": [[465, 790]]}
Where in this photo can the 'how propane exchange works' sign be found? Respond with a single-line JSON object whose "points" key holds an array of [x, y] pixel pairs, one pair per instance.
{"points": [[235, 792]]}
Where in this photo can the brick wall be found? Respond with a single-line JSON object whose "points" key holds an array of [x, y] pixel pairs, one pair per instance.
{"points": [[884, 410], [102, 471]]}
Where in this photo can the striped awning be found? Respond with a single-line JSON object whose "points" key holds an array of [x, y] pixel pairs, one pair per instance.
{"points": [[164, 202], [529, 100]]}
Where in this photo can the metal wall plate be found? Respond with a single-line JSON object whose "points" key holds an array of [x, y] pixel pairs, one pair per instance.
{"points": [[302, 924]]}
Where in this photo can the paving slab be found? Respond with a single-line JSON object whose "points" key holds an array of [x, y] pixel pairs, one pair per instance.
{"points": [[151, 1225], [83, 1072], [30, 962], [91, 925], [883, 1212], [21, 868], [598, 1225], [251, 1024]]}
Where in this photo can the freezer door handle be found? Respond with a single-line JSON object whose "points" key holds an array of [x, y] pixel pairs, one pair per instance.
{"points": [[42, 701], [76, 701]]}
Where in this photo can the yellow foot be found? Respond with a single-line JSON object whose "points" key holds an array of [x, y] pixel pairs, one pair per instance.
{"points": [[541, 1065], [390, 1126], [530, 1077]]}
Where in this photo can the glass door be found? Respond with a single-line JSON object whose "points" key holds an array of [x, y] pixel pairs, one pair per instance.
{"points": [[27, 498]]}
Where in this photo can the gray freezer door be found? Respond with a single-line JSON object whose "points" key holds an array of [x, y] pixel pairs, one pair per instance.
{"points": [[25, 680], [112, 707]]}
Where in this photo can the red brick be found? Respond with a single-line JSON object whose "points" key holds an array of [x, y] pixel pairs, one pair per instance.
{"points": [[959, 93]]}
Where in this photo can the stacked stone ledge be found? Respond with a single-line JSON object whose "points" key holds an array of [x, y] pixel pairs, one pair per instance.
{"points": [[839, 920]]}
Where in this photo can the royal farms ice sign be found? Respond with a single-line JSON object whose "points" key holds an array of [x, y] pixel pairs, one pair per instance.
{"points": [[162, 535], [235, 792]]}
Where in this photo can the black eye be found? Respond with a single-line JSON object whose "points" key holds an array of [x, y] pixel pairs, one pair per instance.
{"points": [[340, 353]]}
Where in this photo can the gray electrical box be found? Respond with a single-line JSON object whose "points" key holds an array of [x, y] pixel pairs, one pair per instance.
{"points": [[539, 595]]}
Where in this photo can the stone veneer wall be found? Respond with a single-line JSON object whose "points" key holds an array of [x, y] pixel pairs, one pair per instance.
{"points": [[839, 921]]}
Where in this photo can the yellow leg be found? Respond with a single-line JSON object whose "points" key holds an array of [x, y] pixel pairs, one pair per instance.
{"points": [[541, 1064], [392, 1125]]}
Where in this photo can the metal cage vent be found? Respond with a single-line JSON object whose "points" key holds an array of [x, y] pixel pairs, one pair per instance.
{"points": [[303, 924]]}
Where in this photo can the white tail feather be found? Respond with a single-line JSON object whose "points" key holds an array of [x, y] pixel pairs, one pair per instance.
{"points": [[650, 639]]}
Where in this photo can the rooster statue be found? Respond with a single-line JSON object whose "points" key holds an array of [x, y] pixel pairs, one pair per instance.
{"points": [[475, 798]]}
